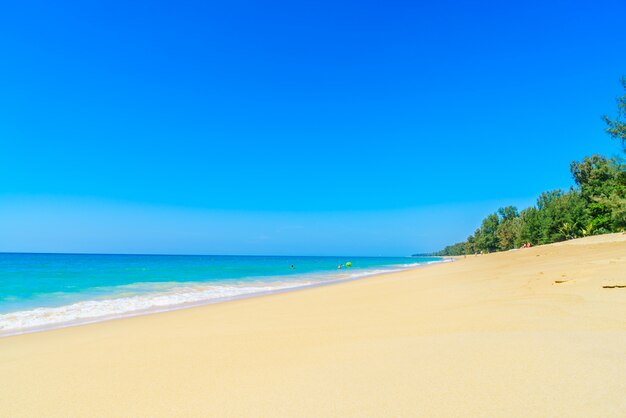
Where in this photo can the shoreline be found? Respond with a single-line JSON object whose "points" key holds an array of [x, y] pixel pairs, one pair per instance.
{"points": [[204, 302], [523, 333]]}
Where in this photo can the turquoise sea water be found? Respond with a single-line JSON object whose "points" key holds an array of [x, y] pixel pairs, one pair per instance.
{"points": [[47, 290]]}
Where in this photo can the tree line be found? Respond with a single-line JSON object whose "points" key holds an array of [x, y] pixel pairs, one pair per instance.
{"points": [[596, 204]]}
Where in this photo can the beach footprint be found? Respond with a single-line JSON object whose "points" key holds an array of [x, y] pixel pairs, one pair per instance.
{"points": [[614, 284]]}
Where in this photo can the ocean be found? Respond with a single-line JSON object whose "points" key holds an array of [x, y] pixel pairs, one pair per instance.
{"points": [[42, 291]]}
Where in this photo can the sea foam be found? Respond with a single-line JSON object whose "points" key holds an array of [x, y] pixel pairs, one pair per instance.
{"points": [[90, 310], [148, 297]]}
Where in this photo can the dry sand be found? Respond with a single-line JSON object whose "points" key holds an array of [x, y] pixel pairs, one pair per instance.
{"points": [[526, 333]]}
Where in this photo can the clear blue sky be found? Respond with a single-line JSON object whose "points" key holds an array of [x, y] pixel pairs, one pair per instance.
{"points": [[292, 128]]}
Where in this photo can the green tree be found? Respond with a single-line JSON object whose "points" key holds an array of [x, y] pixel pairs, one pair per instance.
{"points": [[508, 233], [530, 226], [557, 209], [602, 184], [594, 175], [617, 206], [508, 213], [508, 228], [486, 239], [616, 128], [470, 245], [557, 216]]}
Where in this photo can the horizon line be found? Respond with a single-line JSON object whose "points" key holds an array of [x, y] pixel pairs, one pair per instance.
{"points": [[212, 255]]}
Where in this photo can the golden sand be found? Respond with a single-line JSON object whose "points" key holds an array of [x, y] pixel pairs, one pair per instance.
{"points": [[526, 333]]}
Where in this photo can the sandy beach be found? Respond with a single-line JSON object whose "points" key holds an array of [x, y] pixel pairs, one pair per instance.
{"points": [[526, 333]]}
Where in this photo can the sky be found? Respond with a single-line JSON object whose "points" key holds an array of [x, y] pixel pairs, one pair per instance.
{"points": [[312, 128]]}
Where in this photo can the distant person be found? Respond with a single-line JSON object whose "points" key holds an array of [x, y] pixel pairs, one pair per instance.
{"points": [[292, 267], [339, 266]]}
